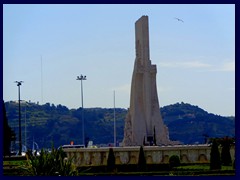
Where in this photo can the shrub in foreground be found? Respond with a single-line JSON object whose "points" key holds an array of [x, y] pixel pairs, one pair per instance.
{"points": [[141, 160], [111, 160], [215, 160], [54, 163], [225, 153], [174, 161]]}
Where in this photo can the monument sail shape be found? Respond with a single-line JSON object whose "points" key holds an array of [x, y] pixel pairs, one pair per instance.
{"points": [[143, 123]]}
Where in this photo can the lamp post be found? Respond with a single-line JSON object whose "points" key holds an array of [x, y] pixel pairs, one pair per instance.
{"points": [[19, 83], [114, 114], [82, 78], [25, 134]]}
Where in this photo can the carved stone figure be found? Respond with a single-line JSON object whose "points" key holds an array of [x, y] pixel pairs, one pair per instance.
{"points": [[144, 114]]}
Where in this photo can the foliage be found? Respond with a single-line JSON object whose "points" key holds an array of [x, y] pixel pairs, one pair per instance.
{"points": [[225, 143], [189, 124], [57, 123], [8, 134], [200, 167], [111, 160], [225, 153], [141, 160], [215, 160], [54, 163], [130, 169], [174, 161]]}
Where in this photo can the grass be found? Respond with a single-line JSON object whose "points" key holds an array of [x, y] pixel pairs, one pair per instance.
{"points": [[13, 168], [202, 170], [14, 163], [201, 167]]}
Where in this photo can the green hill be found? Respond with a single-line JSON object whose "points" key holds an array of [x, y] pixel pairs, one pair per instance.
{"points": [[49, 123], [191, 124]]}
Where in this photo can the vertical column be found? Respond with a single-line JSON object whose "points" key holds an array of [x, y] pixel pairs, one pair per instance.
{"points": [[142, 48], [142, 39]]}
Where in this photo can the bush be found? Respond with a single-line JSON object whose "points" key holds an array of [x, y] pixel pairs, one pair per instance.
{"points": [[174, 161], [141, 160], [111, 160], [215, 161], [225, 154], [54, 163]]}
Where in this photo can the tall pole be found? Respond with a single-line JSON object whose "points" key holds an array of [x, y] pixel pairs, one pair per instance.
{"points": [[25, 126], [114, 120], [83, 133], [41, 82], [19, 83]]}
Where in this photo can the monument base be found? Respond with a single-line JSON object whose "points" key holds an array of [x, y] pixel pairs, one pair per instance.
{"points": [[153, 154]]}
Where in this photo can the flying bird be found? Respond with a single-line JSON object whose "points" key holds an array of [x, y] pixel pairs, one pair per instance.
{"points": [[179, 19]]}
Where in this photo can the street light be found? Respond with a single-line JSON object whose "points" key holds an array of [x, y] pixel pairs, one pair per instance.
{"points": [[114, 114], [82, 78], [25, 103], [19, 83]]}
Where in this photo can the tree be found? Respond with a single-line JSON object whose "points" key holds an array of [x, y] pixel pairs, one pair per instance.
{"points": [[8, 134], [174, 161], [141, 160], [215, 161], [111, 160], [225, 153]]}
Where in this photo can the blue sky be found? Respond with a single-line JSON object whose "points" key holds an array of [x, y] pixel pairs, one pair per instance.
{"points": [[48, 46]]}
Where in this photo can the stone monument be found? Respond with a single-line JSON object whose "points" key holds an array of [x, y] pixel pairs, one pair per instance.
{"points": [[143, 123]]}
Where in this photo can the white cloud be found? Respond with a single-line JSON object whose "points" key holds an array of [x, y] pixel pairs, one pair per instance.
{"points": [[226, 66], [161, 89], [186, 64], [231, 89], [123, 88]]}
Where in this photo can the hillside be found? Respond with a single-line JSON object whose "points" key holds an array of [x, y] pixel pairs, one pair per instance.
{"points": [[49, 123], [190, 124]]}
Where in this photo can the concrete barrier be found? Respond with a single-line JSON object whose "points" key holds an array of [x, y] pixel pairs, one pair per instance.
{"points": [[153, 154]]}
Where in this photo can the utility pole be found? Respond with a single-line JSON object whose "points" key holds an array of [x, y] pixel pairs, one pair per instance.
{"points": [[41, 82], [25, 125], [19, 83], [83, 134], [115, 141]]}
